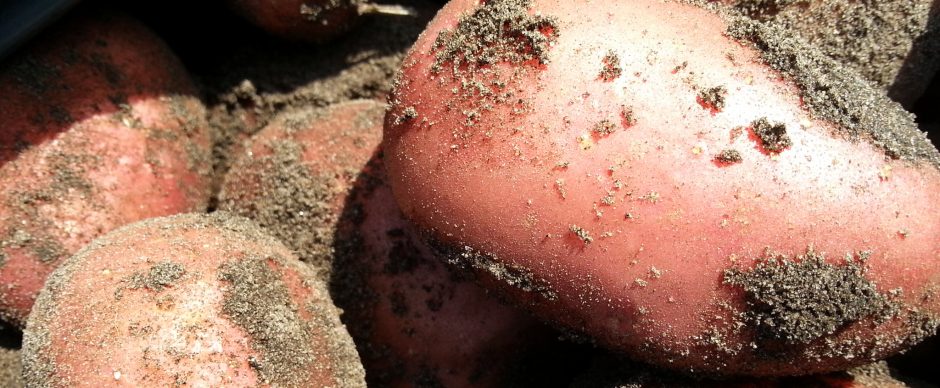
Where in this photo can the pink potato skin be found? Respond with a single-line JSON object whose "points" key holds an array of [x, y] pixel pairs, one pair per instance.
{"points": [[506, 192], [414, 321], [146, 305], [301, 20], [101, 127]]}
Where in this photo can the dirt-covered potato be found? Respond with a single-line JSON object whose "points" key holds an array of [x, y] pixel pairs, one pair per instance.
{"points": [[194, 300], [308, 177], [698, 190], [100, 126]]}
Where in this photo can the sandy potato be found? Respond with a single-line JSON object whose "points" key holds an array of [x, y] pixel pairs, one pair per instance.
{"points": [[99, 127], [196, 300]]}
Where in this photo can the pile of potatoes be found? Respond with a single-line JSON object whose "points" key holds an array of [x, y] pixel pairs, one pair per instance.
{"points": [[537, 193]]}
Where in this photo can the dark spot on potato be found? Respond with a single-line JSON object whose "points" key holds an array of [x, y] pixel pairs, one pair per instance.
{"points": [[611, 67], [804, 298], [773, 137]]}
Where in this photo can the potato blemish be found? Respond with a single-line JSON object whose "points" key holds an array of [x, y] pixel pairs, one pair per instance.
{"points": [[805, 298]]}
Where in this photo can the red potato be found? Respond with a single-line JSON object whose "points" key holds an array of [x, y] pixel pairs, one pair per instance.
{"points": [[316, 179], [693, 189], [893, 43], [195, 300], [100, 127]]}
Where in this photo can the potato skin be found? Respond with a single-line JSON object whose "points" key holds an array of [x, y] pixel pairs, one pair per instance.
{"points": [[313, 21], [607, 206], [415, 322], [189, 299], [101, 127]]}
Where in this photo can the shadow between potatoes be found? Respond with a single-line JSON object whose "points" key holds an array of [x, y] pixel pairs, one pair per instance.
{"points": [[550, 363]]}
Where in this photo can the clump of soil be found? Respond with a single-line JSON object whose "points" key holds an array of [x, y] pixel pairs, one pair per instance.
{"points": [[604, 128], [611, 66], [801, 299], [713, 98], [729, 156], [772, 136], [496, 31]]}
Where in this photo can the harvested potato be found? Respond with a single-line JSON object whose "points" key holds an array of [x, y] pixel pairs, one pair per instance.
{"points": [[196, 300], [308, 177], [695, 189], [100, 127], [893, 43]]}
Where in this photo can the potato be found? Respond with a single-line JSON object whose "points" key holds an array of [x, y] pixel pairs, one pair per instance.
{"points": [[308, 177], [696, 190], [196, 300], [893, 43], [100, 127]]}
